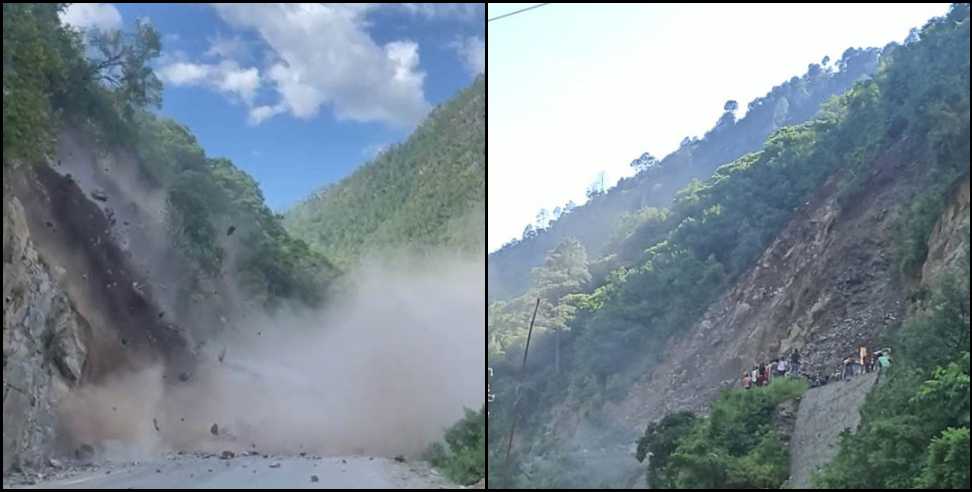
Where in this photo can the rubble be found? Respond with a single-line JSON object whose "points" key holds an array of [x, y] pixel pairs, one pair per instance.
{"points": [[85, 452], [314, 479], [99, 195], [275, 465], [228, 455], [400, 459]]}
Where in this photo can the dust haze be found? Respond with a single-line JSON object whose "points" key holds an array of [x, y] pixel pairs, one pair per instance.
{"points": [[383, 371]]}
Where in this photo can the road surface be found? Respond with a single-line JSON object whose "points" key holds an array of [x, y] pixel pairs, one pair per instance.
{"points": [[212, 472]]}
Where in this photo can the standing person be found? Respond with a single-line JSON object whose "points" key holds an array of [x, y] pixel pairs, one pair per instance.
{"points": [[755, 374], [848, 371], [763, 379], [781, 367], [747, 380], [795, 362], [884, 361]]}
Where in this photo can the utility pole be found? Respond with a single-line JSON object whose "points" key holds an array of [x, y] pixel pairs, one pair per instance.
{"points": [[516, 402]]}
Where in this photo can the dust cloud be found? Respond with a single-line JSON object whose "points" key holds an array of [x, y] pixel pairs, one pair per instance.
{"points": [[383, 371]]}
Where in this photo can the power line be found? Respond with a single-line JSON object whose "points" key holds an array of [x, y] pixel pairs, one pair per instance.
{"points": [[517, 12]]}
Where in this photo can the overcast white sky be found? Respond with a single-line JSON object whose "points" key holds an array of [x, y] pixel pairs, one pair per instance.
{"points": [[575, 89]]}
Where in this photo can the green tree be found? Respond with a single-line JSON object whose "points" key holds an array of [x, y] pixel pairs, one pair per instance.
{"points": [[948, 461], [464, 462], [123, 64], [660, 440]]}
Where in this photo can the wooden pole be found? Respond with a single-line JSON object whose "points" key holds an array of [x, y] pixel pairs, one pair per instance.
{"points": [[516, 403]]}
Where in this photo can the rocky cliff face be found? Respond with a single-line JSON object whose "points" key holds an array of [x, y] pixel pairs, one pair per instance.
{"points": [[827, 285], [81, 288], [945, 244], [44, 345], [824, 414]]}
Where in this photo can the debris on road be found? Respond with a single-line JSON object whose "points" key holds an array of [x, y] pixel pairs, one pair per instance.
{"points": [[85, 452], [228, 455], [315, 479], [400, 459], [275, 465], [155, 422]]}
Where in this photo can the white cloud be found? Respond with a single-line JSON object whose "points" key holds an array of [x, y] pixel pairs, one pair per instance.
{"points": [[261, 113], [324, 56], [232, 48], [92, 15], [243, 83], [227, 77], [472, 51], [180, 73], [464, 11]]}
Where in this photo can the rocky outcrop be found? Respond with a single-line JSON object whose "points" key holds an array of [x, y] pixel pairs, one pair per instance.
{"points": [[824, 413], [78, 307], [826, 285], [44, 353], [946, 245]]}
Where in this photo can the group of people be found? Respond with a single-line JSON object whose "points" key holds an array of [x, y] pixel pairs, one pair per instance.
{"points": [[864, 362], [763, 374]]}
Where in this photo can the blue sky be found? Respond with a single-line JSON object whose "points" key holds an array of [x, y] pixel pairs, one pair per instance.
{"points": [[576, 89], [301, 95]]}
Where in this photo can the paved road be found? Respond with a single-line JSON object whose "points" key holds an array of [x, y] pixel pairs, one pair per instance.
{"points": [[209, 472]]}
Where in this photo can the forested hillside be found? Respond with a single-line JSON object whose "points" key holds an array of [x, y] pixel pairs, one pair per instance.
{"points": [[50, 87], [604, 224], [748, 264], [427, 191]]}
